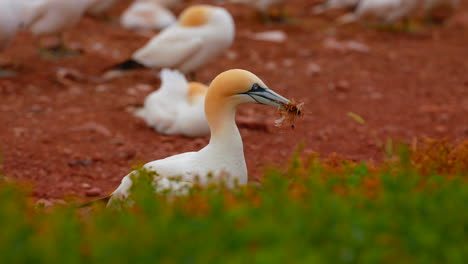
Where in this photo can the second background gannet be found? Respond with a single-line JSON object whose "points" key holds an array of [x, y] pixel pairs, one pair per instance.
{"points": [[384, 11], [10, 21], [147, 14], [52, 18], [223, 158], [177, 107], [201, 34]]}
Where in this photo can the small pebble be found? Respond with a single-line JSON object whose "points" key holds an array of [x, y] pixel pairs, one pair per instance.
{"points": [[93, 192]]}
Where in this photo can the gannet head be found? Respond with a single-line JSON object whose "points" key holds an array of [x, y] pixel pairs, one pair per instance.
{"points": [[236, 87], [201, 15]]}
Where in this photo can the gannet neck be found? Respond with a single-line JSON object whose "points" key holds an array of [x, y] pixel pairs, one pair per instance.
{"points": [[220, 113]]}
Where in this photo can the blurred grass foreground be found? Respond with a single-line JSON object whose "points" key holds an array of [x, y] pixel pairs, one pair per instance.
{"points": [[410, 209]]}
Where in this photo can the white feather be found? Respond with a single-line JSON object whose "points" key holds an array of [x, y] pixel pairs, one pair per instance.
{"points": [[385, 11], [46, 17], [147, 15], [169, 110], [10, 21], [188, 48]]}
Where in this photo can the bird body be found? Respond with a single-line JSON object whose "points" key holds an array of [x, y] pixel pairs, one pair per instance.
{"points": [[10, 21], [223, 158], [147, 15], [201, 34], [49, 17], [177, 107], [386, 11]]}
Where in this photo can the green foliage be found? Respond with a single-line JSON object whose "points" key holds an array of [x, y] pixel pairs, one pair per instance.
{"points": [[313, 213]]}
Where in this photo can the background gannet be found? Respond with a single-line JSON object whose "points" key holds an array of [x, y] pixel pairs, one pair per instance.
{"points": [[177, 107], [385, 11], [53, 17], [147, 14], [223, 157], [10, 21], [201, 34]]}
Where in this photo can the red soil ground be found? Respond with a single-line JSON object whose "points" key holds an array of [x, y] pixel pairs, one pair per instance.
{"points": [[80, 139]]}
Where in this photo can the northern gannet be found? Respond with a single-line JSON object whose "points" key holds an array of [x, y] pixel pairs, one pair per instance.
{"points": [[53, 17], [223, 158], [147, 14], [385, 11], [332, 4], [10, 21], [201, 33], [177, 107]]}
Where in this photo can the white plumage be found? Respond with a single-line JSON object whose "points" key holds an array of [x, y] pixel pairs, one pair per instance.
{"points": [[385, 11], [177, 107], [10, 21], [147, 15], [201, 34], [223, 157], [48, 17]]}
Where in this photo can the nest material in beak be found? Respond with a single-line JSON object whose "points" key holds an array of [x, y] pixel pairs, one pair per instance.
{"points": [[289, 113]]}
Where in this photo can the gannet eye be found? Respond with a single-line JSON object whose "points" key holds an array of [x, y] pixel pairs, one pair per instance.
{"points": [[265, 96], [256, 88]]}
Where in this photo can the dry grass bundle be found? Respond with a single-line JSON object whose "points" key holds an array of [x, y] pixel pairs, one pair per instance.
{"points": [[289, 113]]}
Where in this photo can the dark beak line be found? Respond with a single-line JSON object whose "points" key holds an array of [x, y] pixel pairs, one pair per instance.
{"points": [[265, 96], [253, 98]]}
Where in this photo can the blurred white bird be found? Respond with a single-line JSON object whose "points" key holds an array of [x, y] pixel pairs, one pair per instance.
{"points": [[10, 21], [98, 7], [52, 18], [385, 11], [201, 34], [335, 4], [147, 14], [223, 158], [177, 107]]}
